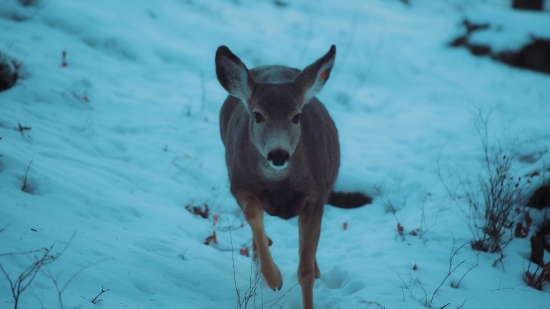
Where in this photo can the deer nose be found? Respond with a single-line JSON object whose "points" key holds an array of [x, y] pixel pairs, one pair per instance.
{"points": [[278, 157]]}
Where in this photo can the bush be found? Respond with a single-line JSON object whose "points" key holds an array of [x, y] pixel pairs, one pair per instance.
{"points": [[494, 202], [539, 278]]}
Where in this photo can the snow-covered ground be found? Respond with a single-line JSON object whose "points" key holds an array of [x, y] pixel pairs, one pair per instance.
{"points": [[126, 135]]}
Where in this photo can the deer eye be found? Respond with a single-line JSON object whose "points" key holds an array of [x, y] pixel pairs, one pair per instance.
{"points": [[258, 117], [296, 118]]}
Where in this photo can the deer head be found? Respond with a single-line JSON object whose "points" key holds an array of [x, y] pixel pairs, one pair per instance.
{"points": [[275, 109]]}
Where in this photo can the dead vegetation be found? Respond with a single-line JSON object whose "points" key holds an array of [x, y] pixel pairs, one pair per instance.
{"points": [[533, 56], [493, 200], [428, 298], [539, 278], [252, 297], [42, 258]]}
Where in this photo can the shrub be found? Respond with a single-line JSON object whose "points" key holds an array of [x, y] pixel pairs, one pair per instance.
{"points": [[494, 202]]}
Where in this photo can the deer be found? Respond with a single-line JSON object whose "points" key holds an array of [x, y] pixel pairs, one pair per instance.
{"points": [[282, 154]]}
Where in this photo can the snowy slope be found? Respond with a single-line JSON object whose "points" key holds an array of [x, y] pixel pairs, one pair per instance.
{"points": [[126, 135]]}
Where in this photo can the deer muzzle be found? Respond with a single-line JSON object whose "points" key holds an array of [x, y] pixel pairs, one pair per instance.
{"points": [[278, 158]]}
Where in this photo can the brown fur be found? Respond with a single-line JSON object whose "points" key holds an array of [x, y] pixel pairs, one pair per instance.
{"points": [[301, 189]]}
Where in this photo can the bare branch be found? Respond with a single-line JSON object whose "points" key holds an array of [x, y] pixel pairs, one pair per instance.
{"points": [[494, 201], [27, 276], [95, 301], [234, 274], [60, 291], [477, 261], [22, 252], [406, 286]]}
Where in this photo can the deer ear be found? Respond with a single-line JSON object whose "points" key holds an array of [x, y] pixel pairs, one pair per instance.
{"points": [[312, 79], [233, 74]]}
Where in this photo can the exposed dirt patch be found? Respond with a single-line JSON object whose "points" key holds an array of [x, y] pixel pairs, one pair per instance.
{"points": [[8, 73], [534, 56]]}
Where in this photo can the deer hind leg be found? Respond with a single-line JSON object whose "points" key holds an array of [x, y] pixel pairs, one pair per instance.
{"points": [[254, 215], [309, 224]]}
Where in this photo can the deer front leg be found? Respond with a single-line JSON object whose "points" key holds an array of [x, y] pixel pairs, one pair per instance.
{"points": [[317, 271], [309, 224], [255, 249], [254, 215]]}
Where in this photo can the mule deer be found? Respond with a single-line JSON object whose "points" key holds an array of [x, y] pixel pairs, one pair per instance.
{"points": [[282, 154]]}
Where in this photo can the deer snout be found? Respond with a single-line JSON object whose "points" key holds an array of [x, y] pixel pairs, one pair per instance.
{"points": [[278, 157]]}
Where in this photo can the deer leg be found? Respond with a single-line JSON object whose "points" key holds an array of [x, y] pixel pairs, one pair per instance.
{"points": [[254, 215], [309, 224], [255, 249], [317, 271]]}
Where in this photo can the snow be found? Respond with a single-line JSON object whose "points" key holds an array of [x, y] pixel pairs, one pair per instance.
{"points": [[126, 135], [509, 29]]}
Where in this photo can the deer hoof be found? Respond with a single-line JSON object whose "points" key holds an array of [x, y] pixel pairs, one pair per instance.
{"points": [[280, 287], [276, 283]]}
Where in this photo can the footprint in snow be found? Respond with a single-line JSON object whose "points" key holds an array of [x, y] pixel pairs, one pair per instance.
{"points": [[339, 279]]}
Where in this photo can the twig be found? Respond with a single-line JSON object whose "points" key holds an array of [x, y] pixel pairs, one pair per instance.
{"points": [[182, 256], [234, 273], [55, 280], [406, 286], [454, 252], [98, 300], [417, 281], [254, 269], [462, 304], [252, 285], [25, 188], [23, 252], [502, 256], [512, 288], [477, 260], [499, 284], [283, 295], [242, 303], [22, 129], [445, 279], [26, 277], [386, 199], [424, 228]]}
